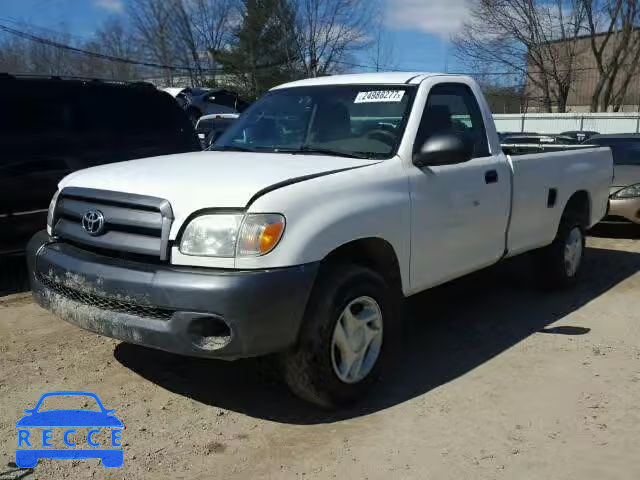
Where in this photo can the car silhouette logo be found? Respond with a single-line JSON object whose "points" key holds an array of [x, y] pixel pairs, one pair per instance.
{"points": [[93, 222], [32, 447]]}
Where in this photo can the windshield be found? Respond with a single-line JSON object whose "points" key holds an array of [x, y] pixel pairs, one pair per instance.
{"points": [[625, 151], [65, 402], [361, 121]]}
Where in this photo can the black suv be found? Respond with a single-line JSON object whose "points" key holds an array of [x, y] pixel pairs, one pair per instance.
{"points": [[50, 127]]}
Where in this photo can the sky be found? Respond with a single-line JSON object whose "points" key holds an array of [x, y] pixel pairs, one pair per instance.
{"points": [[418, 30]]}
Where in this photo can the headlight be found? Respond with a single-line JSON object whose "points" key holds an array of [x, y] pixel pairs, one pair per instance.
{"points": [[629, 192], [52, 207], [211, 235], [228, 235]]}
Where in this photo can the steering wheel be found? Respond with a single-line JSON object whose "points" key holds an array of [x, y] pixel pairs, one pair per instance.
{"points": [[384, 136]]}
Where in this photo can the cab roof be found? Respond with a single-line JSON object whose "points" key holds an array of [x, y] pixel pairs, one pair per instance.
{"points": [[411, 78]]}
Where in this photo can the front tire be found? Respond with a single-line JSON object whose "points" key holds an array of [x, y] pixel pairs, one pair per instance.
{"points": [[350, 326]]}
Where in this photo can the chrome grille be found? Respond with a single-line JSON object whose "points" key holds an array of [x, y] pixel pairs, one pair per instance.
{"points": [[135, 224], [105, 303]]}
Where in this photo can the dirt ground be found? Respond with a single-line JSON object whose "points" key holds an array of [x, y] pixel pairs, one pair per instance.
{"points": [[497, 380]]}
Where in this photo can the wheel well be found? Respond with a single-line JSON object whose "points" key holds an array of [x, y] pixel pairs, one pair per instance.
{"points": [[579, 206], [374, 253]]}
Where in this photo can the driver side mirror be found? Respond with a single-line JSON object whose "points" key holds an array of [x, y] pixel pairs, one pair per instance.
{"points": [[444, 149]]}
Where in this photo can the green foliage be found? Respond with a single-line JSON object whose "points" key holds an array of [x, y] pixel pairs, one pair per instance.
{"points": [[262, 53]]}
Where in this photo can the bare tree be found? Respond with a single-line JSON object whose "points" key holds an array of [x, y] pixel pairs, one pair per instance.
{"points": [[382, 51], [25, 55], [154, 30], [535, 38], [190, 49], [615, 44], [327, 31], [113, 38], [13, 54], [262, 51], [212, 22], [182, 32]]}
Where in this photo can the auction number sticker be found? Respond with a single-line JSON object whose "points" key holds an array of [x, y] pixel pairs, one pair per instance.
{"points": [[379, 96]]}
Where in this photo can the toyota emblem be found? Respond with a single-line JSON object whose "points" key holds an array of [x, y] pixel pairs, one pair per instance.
{"points": [[93, 222]]}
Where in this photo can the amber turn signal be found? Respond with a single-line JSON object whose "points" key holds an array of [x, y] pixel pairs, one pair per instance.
{"points": [[260, 233]]}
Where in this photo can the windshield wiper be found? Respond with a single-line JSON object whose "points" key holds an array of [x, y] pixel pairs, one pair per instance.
{"points": [[324, 151], [230, 148]]}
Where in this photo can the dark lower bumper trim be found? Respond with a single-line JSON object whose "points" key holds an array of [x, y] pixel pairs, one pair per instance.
{"points": [[204, 312]]}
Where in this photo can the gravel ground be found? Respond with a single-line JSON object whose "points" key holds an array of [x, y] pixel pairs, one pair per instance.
{"points": [[497, 380]]}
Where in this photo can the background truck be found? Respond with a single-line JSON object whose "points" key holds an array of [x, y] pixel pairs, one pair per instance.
{"points": [[328, 202]]}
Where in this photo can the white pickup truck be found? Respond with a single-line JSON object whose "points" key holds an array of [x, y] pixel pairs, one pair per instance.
{"points": [[314, 215]]}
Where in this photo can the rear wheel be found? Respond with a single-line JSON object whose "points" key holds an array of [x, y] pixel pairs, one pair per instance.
{"points": [[560, 264], [349, 327], [113, 459]]}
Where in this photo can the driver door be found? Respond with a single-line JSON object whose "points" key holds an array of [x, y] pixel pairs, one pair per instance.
{"points": [[459, 212]]}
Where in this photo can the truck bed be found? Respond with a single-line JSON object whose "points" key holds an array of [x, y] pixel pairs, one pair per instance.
{"points": [[541, 187]]}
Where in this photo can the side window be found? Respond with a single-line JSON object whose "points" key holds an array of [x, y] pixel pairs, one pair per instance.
{"points": [[452, 108]]}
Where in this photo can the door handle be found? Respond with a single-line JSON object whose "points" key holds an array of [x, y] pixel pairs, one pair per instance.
{"points": [[491, 176]]}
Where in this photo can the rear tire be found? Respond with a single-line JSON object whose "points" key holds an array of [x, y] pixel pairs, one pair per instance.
{"points": [[114, 459], [350, 326], [560, 264]]}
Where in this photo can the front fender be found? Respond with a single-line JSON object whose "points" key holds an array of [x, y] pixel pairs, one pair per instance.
{"points": [[326, 212]]}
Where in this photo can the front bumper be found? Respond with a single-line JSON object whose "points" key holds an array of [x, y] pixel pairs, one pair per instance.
{"points": [[190, 311], [623, 210]]}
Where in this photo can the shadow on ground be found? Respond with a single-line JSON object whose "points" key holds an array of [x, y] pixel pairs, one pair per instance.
{"points": [[451, 330], [613, 230], [15, 473]]}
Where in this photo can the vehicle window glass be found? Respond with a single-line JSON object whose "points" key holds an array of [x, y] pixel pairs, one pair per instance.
{"points": [[65, 402], [208, 124], [625, 151], [626, 154], [360, 120], [452, 108], [125, 111], [37, 113]]}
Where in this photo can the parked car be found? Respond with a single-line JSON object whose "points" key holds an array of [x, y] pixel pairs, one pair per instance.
{"points": [[50, 127], [204, 101], [579, 136], [624, 200], [210, 127], [302, 231]]}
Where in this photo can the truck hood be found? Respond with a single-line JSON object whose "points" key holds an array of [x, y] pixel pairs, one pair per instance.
{"points": [[197, 180]]}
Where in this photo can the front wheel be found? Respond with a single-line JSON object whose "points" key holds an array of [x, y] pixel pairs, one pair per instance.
{"points": [[560, 263], [350, 325]]}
